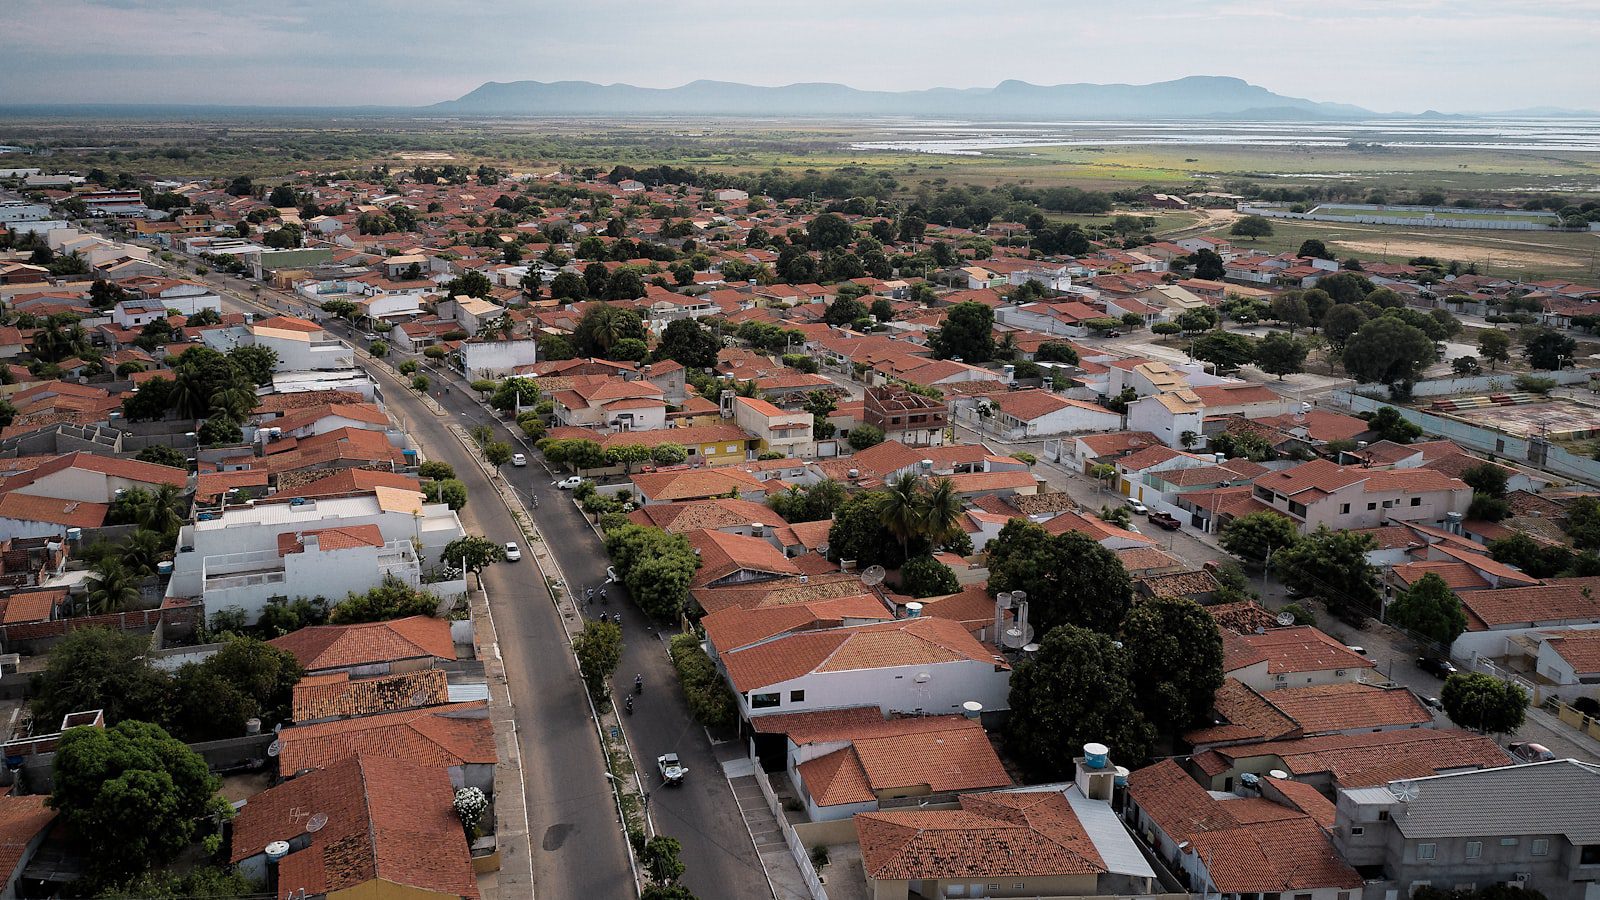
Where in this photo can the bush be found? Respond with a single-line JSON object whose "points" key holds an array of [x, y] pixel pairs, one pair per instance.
{"points": [[380, 349], [770, 455], [498, 453], [1535, 384], [436, 470], [1302, 615], [394, 599], [420, 383], [408, 367], [708, 695], [924, 576], [434, 353]]}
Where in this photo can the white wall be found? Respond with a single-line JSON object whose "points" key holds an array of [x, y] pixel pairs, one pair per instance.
{"points": [[895, 689], [495, 359]]}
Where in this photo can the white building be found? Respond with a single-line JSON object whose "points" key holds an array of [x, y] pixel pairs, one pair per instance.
{"points": [[332, 562], [496, 359], [301, 345]]}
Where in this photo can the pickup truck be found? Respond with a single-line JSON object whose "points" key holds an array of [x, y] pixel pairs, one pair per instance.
{"points": [[671, 771], [1165, 520]]}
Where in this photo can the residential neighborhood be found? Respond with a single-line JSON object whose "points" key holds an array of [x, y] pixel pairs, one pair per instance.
{"points": [[547, 528]]}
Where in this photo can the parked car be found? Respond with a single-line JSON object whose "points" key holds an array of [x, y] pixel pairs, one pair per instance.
{"points": [[568, 483], [513, 552], [1528, 751], [1431, 702], [1358, 650], [1166, 520], [1139, 509], [1437, 666], [519, 459], [671, 771]]}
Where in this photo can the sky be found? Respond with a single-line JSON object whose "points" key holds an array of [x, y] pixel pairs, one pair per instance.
{"points": [[1385, 55]]}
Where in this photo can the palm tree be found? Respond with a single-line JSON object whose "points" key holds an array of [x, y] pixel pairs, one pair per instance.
{"points": [[901, 509], [187, 393], [162, 515], [1189, 439], [941, 512], [141, 552], [112, 588], [235, 401]]}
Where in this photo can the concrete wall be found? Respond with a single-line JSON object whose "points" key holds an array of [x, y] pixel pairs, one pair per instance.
{"points": [[895, 689]]}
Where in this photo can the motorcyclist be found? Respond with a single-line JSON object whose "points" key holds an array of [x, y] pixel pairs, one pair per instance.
{"points": [[638, 684]]}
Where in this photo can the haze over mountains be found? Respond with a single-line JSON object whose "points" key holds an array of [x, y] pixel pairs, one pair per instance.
{"points": [[1195, 96]]}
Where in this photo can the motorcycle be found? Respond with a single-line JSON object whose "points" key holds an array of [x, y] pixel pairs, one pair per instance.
{"points": [[629, 705], [638, 684]]}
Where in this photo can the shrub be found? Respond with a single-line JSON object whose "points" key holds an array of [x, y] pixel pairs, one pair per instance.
{"points": [[710, 700], [420, 383], [408, 367], [434, 353]]}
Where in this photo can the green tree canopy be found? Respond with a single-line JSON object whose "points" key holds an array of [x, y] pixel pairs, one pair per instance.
{"points": [[1281, 354], [656, 567], [1175, 661], [394, 599], [1388, 425], [1332, 565], [1251, 537], [1388, 351], [924, 576], [689, 343], [1252, 227], [477, 552], [1431, 609], [1484, 703], [1069, 578], [966, 334], [599, 649], [1074, 691], [98, 668], [1547, 348], [603, 327], [1225, 350]]}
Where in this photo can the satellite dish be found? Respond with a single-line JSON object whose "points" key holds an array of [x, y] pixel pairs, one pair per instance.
{"points": [[1285, 619], [1030, 648], [316, 823], [1405, 791], [420, 698], [1016, 637], [274, 747], [872, 576]]}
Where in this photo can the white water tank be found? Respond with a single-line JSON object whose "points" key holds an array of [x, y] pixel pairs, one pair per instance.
{"points": [[277, 850]]}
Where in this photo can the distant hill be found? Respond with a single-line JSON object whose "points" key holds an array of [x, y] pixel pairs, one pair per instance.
{"points": [[1194, 97]]}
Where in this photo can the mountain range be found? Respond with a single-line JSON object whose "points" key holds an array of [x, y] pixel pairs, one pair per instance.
{"points": [[1198, 96]]}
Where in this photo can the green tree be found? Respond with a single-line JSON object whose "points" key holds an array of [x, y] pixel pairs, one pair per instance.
{"points": [[599, 649], [394, 599], [689, 343], [1346, 287], [1583, 523], [669, 454], [1487, 479], [660, 859], [436, 470], [829, 231], [1175, 661], [1057, 351], [1484, 703], [1224, 350], [1201, 318], [1280, 354], [246, 679], [1388, 351], [163, 455], [112, 588], [1074, 691], [1546, 348], [1535, 559], [470, 283], [900, 509], [1291, 309], [200, 883], [1252, 227], [1495, 347], [514, 393], [654, 566], [844, 311], [858, 533], [1429, 608], [603, 327], [1251, 537], [134, 793], [1333, 565], [1069, 578], [1208, 265], [924, 576], [865, 435], [452, 492], [1315, 249], [707, 693], [498, 453], [627, 455], [257, 363], [97, 668], [967, 333], [1341, 323], [476, 553], [1388, 425]]}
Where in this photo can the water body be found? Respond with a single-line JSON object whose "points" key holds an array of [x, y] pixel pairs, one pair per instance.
{"points": [[974, 139]]}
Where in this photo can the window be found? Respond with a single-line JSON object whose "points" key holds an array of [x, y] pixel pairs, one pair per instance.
{"points": [[1383, 815], [1297, 509], [797, 696], [1344, 509], [1589, 855], [1427, 851], [1302, 897], [733, 448], [1371, 507], [1357, 831], [765, 701], [1416, 501], [1508, 842], [1541, 846], [1474, 849]]}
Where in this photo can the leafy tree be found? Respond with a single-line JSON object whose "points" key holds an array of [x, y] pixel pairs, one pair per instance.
{"points": [[603, 327], [257, 362], [162, 455], [394, 599], [689, 343], [599, 649], [1431, 609], [1291, 309], [1583, 523], [627, 455], [200, 883], [1346, 287], [656, 568], [660, 859], [1536, 559], [246, 679], [1342, 323], [97, 668], [1388, 351], [134, 793], [1548, 349], [1388, 425], [669, 454], [436, 470], [471, 283], [865, 435], [924, 576], [812, 503], [1315, 249], [858, 533], [1069, 578], [1494, 346], [1058, 351], [1208, 265], [1487, 479], [1280, 354], [1332, 565], [1484, 703], [343, 309], [476, 553], [513, 393], [450, 491], [829, 231], [1201, 318], [1465, 366], [1225, 350], [1252, 227], [1074, 691], [844, 310], [1251, 537], [666, 892], [967, 333], [498, 453], [707, 693], [112, 588], [1175, 661], [568, 286]]}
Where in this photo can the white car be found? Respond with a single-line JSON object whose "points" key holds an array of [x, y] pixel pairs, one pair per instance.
{"points": [[519, 460], [513, 552], [1139, 509], [568, 483], [672, 771]]}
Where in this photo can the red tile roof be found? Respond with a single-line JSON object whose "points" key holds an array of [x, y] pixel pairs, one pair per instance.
{"points": [[1017, 835], [452, 735], [906, 642], [342, 646], [1299, 649], [65, 513], [21, 820]]}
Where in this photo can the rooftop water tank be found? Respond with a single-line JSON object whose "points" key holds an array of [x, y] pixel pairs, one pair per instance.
{"points": [[1095, 756], [277, 850]]}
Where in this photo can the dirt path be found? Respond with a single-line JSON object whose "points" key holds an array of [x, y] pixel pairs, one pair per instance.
{"points": [[1209, 219]]}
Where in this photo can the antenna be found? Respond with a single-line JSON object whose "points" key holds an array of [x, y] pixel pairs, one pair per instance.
{"points": [[872, 576], [1285, 619], [1404, 791], [316, 823]]}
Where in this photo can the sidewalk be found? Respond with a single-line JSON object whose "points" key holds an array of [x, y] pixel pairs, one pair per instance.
{"points": [[783, 874]]}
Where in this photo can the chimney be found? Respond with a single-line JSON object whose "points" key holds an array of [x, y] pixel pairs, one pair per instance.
{"points": [[1096, 776]]}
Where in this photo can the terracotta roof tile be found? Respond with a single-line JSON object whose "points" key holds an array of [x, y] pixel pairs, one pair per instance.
{"points": [[341, 646], [451, 735], [337, 696], [905, 642], [1019, 835]]}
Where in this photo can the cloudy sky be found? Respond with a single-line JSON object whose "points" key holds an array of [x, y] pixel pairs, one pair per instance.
{"points": [[1386, 55]]}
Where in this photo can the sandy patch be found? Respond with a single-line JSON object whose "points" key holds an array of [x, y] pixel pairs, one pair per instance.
{"points": [[428, 155], [1497, 255]]}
